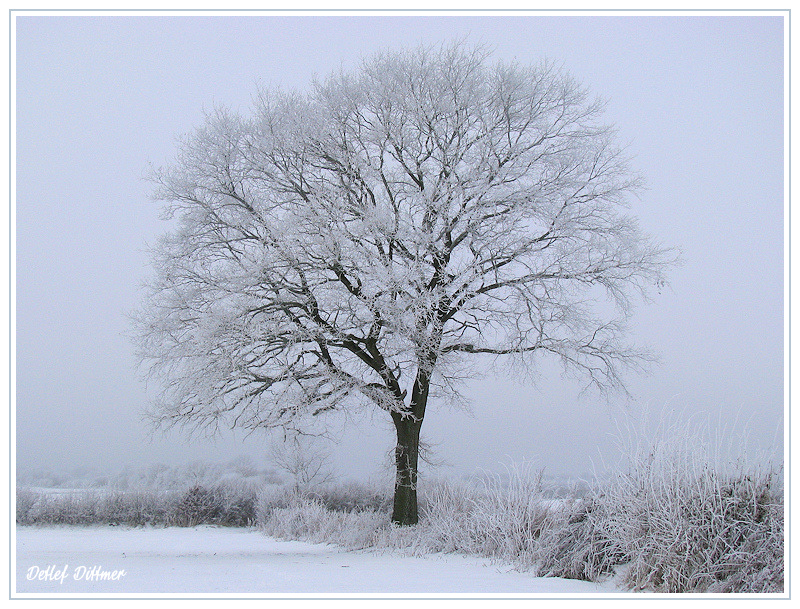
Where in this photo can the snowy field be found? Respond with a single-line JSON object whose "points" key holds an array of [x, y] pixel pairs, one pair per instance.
{"points": [[117, 560]]}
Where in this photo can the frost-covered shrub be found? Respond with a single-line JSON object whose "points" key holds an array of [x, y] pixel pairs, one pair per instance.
{"points": [[679, 520], [496, 518], [139, 507], [238, 505], [576, 542], [271, 498], [309, 520], [446, 509], [231, 505], [26, 499], [350, 497], [72, 508], [228, 506], [198, 505], [708, 532], [510, 517]]}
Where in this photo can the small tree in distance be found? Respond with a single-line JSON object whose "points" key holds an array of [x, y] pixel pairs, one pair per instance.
{"points": [[361, 243], [303, 459]]}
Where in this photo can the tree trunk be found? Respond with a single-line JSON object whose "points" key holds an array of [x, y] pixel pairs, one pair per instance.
{"points": [[406, 458]]}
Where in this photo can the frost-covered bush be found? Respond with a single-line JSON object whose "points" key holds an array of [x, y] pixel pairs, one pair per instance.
{"points": [[496, 517], [198, 505], [227, 505], [138, 507], [90, 506], [509, 517], [309, 520], [26, 499], [348, 497], [223, 505], [351, 497], [72, 508], [576, 542], [678, 519], [195, 493], [271, 498], [701, 531], [446, 509], [238, 508]]}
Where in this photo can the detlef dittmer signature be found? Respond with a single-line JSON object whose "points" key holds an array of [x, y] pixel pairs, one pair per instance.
{"points": [[80, 573]]}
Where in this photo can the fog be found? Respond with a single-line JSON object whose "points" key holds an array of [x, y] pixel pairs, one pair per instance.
{"points": [[699, 100]]}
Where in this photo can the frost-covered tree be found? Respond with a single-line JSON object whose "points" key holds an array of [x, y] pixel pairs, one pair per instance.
{"points": [[303, 458], [360, 243]]}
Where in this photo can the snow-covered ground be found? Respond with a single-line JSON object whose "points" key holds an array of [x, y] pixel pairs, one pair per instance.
{"points": [[117, 560]]}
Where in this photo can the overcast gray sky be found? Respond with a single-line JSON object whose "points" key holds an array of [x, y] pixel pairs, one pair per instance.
{"points": [[700, 100]]}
